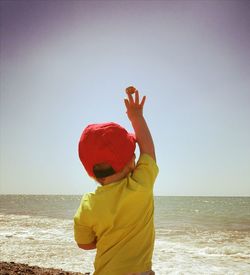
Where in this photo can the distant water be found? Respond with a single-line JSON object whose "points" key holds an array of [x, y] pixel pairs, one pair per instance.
{"points": [[194, 235]]}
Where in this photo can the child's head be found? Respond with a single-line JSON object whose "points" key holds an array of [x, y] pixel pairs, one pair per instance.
{"points": [[106, 149]]}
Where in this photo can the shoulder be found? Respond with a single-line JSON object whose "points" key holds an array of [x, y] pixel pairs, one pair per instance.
{"points": [[84, 210], [146, 171], [87, 201], [146, 158], [148, 163], [87, 197]]}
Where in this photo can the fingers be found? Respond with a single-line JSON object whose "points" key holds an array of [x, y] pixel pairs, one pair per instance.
{"points": [[143, 101], [130, 98], [130, 91], [126, 102], [136, 97]]}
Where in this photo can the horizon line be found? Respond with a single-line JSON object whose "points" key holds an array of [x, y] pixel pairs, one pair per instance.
{"points": [[156, 195]]}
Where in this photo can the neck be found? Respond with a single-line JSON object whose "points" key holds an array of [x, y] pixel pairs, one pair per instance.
{"points": [[112, 178], [119, 175]]}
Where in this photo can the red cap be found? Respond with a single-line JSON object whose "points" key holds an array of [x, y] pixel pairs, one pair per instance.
{"points": [[106, 143]]}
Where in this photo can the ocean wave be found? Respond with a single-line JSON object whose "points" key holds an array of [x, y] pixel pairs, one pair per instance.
{"points": [[49, 242]]}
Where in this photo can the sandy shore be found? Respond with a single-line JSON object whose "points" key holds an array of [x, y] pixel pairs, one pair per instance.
{"points": [[22, 269]]}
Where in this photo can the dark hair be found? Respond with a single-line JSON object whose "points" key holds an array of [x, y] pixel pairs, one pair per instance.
{"points": [[103, 170]]}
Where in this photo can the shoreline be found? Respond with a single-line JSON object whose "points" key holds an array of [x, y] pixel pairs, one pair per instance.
{"points": [[11, 268]]}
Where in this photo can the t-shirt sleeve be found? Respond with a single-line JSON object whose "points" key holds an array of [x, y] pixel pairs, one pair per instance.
{"points": [[146, 171], [83, 232]]}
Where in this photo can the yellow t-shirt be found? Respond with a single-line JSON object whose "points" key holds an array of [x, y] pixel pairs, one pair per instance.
{"points": [[120, 216]]}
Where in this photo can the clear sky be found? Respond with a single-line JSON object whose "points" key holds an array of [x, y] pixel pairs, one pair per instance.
{"points": [[65, 64]]}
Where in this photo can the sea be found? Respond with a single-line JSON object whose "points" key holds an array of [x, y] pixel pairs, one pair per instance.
{"points": [[194, 235]]}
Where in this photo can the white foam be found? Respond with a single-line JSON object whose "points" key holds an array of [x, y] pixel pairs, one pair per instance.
{"points": [[49, 242], [172, 257], [42, 241]]}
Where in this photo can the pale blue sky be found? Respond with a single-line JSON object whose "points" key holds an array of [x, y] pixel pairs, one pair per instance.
{"points": [[65, 64]]}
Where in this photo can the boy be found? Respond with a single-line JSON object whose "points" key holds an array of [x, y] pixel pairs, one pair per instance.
{"points": [[117, 219]]}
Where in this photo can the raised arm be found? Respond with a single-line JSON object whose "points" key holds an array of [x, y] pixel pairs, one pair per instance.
{"points": [[135, 115]]}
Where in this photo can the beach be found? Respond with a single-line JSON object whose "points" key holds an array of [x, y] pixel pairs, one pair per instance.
{"points": [[194, 235], [16, 268]]}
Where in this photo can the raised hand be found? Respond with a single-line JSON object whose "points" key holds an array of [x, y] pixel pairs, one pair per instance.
{"points": [[133, 104], [135, 115]]}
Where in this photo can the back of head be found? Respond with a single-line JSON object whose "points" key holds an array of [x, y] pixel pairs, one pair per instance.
{"points": [[105, 149]]}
